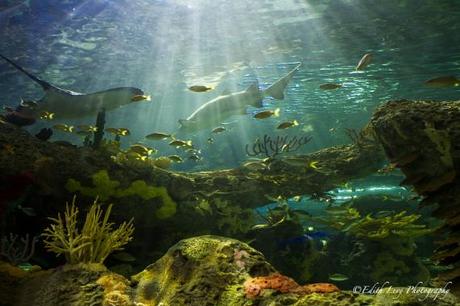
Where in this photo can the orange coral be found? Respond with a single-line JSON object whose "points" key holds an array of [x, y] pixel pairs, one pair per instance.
{"points": [[253, 286]]}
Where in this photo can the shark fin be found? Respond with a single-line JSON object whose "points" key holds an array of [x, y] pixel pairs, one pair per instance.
{"points": [[276, 90], [45, 85], [254, 88]]}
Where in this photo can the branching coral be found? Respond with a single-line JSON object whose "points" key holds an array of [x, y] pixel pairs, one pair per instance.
{"points": [[254, 287], [105, 188], [96, 240], [17, 251]]}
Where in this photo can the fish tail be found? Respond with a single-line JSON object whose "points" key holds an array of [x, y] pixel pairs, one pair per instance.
{"points": [[43, 84]]}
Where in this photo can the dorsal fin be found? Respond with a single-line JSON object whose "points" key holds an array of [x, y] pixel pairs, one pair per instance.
{"points": [[45, 85], [276, 90], [253, 88]]}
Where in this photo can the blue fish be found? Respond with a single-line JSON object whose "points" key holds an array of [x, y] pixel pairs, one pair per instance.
{"points": [[303, 239], [318, 235]]}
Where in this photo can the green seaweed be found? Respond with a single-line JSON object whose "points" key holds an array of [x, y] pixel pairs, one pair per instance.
{"points": [[399, 224], [105, 188]]}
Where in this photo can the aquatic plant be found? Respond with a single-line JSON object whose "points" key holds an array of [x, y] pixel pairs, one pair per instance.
{"points": [[399, 224], [94, 242], [272, 147], [105, 188], [254, 287], [17, 249]]}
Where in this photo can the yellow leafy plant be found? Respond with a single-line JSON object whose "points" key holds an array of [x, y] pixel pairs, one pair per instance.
{"points": [[93, 242]]}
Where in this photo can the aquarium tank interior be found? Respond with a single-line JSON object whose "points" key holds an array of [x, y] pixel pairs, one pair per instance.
{"points": [[217, 152]]}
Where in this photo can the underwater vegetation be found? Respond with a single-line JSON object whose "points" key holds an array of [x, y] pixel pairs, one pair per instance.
{"points": [[92, 242], [105, 188], [17, 249], [272, 147]]}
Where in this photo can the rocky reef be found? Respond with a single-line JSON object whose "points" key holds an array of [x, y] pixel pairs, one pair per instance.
{"points": [[419, 137], [422, 139], [205, 270]]}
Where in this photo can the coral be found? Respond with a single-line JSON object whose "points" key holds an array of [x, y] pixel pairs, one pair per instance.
{"points": [[116, 290], [105, 188], [253, 287], [200, 271], [272, 147], [17, 251], [66, 285], [93, 243]]}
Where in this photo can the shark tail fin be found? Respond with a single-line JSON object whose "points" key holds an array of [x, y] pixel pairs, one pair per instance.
{"points": [[45, 85], [276, 90]]}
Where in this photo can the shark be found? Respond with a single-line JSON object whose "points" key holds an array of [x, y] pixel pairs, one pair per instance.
{"points": [[67, 104], [218, 110]]}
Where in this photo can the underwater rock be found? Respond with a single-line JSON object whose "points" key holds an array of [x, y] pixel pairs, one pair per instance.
{"points": [[201, 271], [82, 284], [10, 278], [204, 270], [213, 270], [422, 138]]}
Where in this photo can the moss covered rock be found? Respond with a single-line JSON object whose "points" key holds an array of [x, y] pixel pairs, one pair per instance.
{"points": [[82, 284], [205, 270]]}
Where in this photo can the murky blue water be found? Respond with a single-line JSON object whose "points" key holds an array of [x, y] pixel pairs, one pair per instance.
{"points": [[165, 46]]}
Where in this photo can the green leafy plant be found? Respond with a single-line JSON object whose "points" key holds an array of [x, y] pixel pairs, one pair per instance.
{"points": [[105, 188]]}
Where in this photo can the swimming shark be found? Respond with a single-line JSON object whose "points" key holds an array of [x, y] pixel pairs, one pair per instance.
{"points": [[216, 111], [67, 104]]}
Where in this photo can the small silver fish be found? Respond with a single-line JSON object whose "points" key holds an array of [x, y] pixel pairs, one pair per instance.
{"points": [[337, 277], [364, 62]]}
